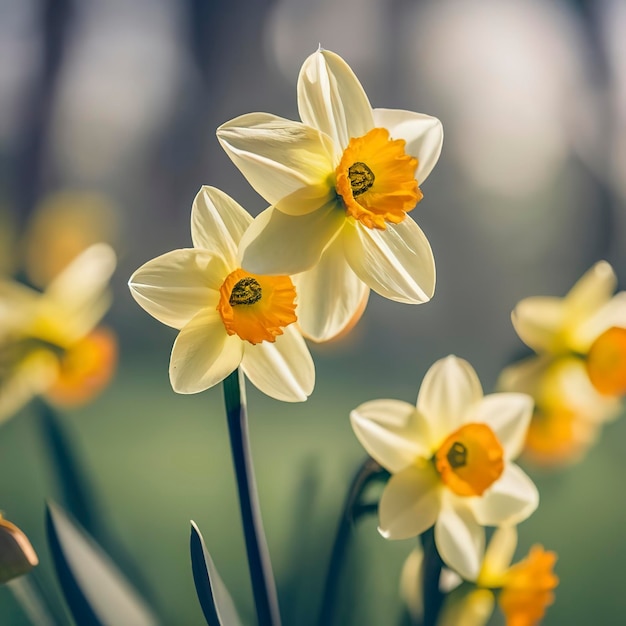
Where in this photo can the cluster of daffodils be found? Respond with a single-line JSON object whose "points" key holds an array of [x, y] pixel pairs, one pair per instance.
{"points": [[340, 184], [578, 375], [50, 342]]}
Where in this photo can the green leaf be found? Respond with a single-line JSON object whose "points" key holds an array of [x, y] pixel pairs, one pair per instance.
{"points": [[217, 605], [96, 592]]}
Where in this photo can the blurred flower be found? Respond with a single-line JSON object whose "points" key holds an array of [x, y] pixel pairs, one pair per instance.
{"points": [[451, 460], [579, 375], [17, 556], [227, 317], [525, 589], [47, 340], [64, 224], [341, 184]]}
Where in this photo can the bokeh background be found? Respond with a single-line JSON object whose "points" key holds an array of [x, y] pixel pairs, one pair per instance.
{"points": [[109, 108]]}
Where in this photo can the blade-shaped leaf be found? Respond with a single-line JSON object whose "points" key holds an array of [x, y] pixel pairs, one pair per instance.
{"points": [[217, 605], [96, 592]]}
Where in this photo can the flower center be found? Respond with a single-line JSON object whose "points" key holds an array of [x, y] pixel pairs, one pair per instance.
{"points": [[528, 587], [256, 308], [376, 179], [606, 362], [470, 460]]}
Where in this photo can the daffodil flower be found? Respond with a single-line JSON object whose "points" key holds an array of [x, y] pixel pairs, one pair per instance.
{"points": [[589, 322], [340, 183], [227, 317], [525, 589], [451, 461], [47, 340]]}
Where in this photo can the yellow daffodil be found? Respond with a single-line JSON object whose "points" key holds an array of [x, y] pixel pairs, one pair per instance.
{"points": [[451, 461], [17, 556], [48, 343], [227, 317], [525, 589], [589, 322], [340, 183], [569, 410]]}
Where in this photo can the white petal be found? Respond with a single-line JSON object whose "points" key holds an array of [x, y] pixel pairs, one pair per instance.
{"points": [[286, 162], [448, 391], [613, 313], [77, 299], [423, 135], [510, 500], [591, 292], [396, 262], [460, 540], [277, 243], [499, 552], [538, 321], [331, 98], [410, 503], [524, 376], [411, 583], [203, 354], [218, 223], [508, 415], [175, 286], [284, 369], [331, 297], [392, 432]]}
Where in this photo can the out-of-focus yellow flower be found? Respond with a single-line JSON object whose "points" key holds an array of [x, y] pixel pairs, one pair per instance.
{"points": [[340, 183], [227, 317], [17, 556], [525, 589], [451, 460], [47, 340], [63, 225]]}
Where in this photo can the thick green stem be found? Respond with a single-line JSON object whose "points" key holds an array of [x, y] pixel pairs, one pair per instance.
{"points": [[367, 471], [263, 585], [433, 597]]}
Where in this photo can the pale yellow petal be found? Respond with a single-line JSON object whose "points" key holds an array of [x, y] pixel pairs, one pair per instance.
{"points": [[539, 322]]}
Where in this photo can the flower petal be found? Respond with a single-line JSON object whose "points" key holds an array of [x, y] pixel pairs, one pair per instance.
{"points": [[284, 369], [396, 262], [218, 223], [592, 290], [460, 539], [411, 583], [286, 162], [613, 313], [410, 503], [331, 297], [508, 415], [277, 243], [448, 390], [331, 98], [538, 320], [392, 432], [473, 608], [524, 376], [498, 556], [423, 135], [510, 500], [177, 285], [203, 354]]}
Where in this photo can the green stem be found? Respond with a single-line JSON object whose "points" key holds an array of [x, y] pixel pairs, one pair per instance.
{"points": [[433, 597], [367, 471], [263, 585]]}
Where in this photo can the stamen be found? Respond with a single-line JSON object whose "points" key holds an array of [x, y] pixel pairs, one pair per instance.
{"points": [[457, 456], [361, 178], [245, 291]]}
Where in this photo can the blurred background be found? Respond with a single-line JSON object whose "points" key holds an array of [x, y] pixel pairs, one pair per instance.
{"points": [[108, 113]]}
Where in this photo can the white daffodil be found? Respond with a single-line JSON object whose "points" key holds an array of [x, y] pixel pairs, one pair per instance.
{"points": [[340, 184], [451, 461], [227, 317], [552, 325], [47, 340]]}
